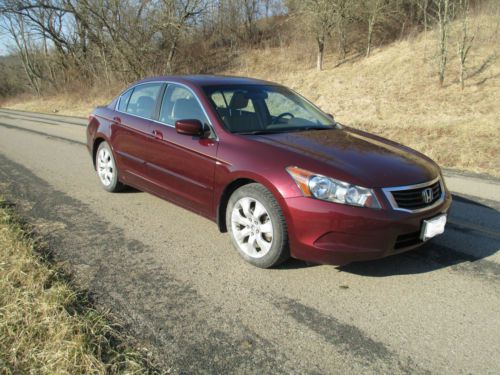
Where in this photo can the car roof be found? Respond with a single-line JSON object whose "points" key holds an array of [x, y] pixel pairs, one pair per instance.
{"points": [[208, 80]]}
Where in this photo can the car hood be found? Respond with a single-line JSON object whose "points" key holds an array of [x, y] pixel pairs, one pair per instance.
{"points": [[356, 156]]}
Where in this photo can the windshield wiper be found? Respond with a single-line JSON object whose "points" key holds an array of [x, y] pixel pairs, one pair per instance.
{"points": [[306, 128], [285, 130], [256, 132]]}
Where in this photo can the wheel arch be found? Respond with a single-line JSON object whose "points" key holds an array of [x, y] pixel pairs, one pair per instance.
{"points": [[224, 199], [235, 184], [95, 147]]}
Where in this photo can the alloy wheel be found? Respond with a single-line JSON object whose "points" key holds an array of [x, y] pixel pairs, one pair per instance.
{"points": [[105, 166], [252, 227]]}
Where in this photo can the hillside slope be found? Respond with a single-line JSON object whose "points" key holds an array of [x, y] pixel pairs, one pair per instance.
{"points": [[393, 93]]}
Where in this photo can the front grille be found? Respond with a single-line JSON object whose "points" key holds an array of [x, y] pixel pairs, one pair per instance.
{"points": [[407, 240], [413, 197]]}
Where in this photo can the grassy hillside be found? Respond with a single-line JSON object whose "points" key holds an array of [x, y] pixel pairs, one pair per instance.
{"points": [[393, 93]]}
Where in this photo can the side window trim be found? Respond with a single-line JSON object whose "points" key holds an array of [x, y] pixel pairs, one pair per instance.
{"points": [[159, 102], [208, 122], [132, 90], [117, 105], [197, 100], [167, 86], [119, 102], [163, 91], [128, 99]]}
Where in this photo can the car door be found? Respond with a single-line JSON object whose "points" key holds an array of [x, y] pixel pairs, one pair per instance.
{"points": [[132, 133], [183, 165]]}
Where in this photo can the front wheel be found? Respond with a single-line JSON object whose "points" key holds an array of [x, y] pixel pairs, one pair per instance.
{"points": [[257, 226], [106, 169]]}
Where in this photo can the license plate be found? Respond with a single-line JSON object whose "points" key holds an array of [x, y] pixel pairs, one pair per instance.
{"points": [[433, 227]]}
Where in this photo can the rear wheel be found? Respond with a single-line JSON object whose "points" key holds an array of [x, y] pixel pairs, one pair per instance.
{"points": [[257, 226], [106, 168]]}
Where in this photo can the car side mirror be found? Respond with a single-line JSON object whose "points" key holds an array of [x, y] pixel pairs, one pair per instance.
{"points": [[189, 127]]}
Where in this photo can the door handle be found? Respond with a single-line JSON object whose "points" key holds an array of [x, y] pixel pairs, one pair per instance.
{"points": [[157, 134], [118, 120]]}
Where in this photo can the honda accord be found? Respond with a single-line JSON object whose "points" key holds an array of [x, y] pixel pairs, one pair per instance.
{"points": [[269, 167]]}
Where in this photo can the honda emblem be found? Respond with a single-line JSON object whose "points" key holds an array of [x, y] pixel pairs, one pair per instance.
{"points": [[427, 195]]}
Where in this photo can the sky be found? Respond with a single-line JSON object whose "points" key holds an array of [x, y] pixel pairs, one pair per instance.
{"points": [[3, 47], [4, 42]]}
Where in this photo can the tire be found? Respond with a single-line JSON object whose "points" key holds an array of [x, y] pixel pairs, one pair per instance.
{"points": [[106, 169], [249, 211]]}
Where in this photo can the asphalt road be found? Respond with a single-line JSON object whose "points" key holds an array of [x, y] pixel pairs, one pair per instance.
{"points": [[179, 287]]}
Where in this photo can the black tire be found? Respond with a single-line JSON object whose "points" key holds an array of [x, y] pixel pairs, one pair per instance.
{"points": [[279, 251], [113, 185]]}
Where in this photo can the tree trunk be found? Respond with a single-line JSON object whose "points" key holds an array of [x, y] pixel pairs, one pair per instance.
{"points": [[321, 51], [371, 24], [426, 3], [343, 40], [465, 42], [462, 75], [443, 19], [171, 53]]}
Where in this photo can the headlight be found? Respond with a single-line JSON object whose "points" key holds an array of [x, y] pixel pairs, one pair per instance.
{"points": [[332, 190]]}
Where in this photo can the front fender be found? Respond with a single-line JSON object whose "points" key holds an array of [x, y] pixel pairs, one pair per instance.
{"points": [[227, 181]]}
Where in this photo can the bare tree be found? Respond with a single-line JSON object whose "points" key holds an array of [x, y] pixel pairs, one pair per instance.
{"points": [[176, 19], [320, 17], [250, 14], [375, 11], [443, 16], [344, 18], [464, 44], [423, 10], [16, 26], [12, 79], [87, 42]]}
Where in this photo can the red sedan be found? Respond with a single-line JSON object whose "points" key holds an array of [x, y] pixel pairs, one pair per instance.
{"points": [[282, 177]]}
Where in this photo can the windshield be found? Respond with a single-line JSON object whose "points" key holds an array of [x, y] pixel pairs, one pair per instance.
{"points": [[251, 109]]}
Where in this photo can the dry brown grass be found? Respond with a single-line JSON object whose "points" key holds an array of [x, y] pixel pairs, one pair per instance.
{"points": [[44, 327], [394, 93], [78, 102]]}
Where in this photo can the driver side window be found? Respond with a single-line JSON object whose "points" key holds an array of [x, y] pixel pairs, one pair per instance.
{"points": [[179, 103]]}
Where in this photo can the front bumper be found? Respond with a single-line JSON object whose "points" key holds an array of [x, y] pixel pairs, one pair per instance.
{"points": [[330, 233]]}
